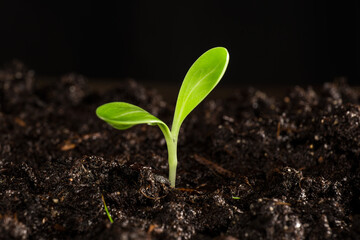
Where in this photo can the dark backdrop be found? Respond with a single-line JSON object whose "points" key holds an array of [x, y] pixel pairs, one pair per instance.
{"points": [[270, 42]]}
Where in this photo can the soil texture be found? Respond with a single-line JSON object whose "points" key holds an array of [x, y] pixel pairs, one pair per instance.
{"points": [[251, 166]]}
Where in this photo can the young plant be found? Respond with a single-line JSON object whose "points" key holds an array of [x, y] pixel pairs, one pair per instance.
{"points": [[199, 81]]}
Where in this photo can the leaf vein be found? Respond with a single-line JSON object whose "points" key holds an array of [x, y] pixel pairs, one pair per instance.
{"points": [[127, 113]]}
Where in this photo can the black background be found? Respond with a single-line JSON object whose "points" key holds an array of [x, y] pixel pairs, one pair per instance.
{"points": [[270, 42]]}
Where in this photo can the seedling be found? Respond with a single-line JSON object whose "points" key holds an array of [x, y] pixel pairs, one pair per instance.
{"points": [[199, 81]]}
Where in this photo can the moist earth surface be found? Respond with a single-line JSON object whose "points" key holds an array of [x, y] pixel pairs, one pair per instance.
{"points": [[251, 166]]}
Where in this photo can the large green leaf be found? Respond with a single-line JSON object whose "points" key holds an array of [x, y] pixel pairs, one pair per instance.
{"points": [[123, 115], [201, 78]]}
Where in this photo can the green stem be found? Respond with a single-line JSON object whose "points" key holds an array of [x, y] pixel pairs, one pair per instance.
{"points": [[171, 143], [172, 149], [172, 156]]}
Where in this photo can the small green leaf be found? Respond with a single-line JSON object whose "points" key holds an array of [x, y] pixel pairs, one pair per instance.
{"points": [[199, 81], [106, 210], [121, 115]]}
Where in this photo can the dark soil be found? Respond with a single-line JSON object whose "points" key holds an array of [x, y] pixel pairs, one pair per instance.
{"points": [[250, 166]]}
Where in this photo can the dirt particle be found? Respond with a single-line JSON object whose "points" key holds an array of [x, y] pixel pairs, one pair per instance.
{"points": [[20, 122], [67, 146]]}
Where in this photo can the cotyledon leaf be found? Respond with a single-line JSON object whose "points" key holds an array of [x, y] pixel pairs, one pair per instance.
{"points": [[199, 81], [121, 115]]}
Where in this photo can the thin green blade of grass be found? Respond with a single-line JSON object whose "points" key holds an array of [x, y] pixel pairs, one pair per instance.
{"points": [[106, 209]]}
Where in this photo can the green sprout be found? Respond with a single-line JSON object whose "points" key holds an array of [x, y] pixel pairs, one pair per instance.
{"points": [[106, 209], [199, 81]]}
